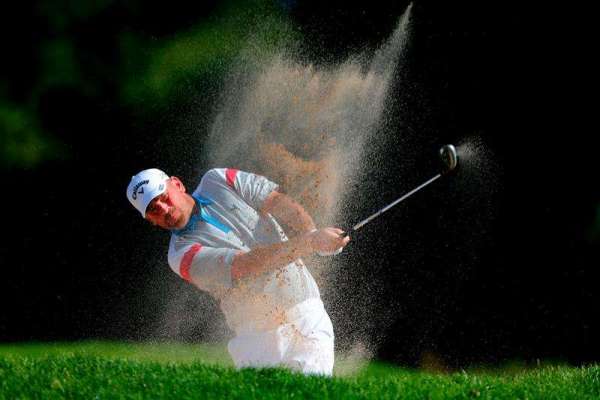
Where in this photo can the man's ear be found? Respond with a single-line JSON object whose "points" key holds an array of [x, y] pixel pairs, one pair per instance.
{"points": [[177, 183]]}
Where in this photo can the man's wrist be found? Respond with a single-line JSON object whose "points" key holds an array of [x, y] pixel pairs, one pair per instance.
{"points": [[309, 240]]}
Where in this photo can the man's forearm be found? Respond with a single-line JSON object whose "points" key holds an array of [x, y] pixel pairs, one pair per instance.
{"points": [[290, 212], [266, 258]]}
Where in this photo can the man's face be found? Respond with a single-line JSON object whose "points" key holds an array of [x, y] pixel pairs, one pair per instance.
{"points": [[168, 209]]}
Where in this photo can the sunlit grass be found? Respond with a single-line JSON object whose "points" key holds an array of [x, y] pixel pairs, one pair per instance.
{"points": [[182, 371], [154, 352]]}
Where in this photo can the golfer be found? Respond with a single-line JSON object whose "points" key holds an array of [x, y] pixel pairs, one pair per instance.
{"points": [[226, 240]]}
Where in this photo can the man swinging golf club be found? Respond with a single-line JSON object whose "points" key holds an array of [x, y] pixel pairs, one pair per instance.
{"points": [[226, 240]]}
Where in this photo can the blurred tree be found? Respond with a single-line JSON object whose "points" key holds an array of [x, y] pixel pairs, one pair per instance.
{"points": [[203, 52], [121, 59], [22, 144]]}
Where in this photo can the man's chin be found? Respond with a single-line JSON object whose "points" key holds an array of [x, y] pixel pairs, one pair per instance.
{"points": [[175, 225]]}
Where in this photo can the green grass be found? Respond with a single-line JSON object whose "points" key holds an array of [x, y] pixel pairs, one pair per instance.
{"points": [[99, 370]]}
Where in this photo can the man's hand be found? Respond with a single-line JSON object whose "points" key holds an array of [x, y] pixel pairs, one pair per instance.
{"points": [[266, 258], [328, 241]]}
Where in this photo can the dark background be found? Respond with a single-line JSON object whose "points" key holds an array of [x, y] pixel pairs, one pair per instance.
{"points": [[497, 263]]}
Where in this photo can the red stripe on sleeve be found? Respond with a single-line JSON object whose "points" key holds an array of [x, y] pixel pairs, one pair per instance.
{"points": [[186, 261], [230, 174]]}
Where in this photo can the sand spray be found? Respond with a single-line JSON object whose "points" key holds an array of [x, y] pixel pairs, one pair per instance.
{"points": [[308, 128], [312, 129]]}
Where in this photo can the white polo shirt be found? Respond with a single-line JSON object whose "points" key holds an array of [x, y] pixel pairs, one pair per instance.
{"points": [[202, 252]]}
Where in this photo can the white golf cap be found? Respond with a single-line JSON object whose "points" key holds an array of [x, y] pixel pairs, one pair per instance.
{"points": [[145, 186]]}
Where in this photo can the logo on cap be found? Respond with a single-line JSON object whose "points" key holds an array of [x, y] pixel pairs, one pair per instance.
{"points": [[138, 186]]}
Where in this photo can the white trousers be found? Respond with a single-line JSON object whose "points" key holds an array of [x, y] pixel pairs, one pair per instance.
{"points": [[304, 343]]}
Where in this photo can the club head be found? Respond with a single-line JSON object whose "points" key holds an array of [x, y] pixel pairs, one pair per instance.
{"points": [[449, 157]]}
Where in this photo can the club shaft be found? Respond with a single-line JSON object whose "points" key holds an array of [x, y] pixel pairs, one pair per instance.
{"points": [[384, 209]]}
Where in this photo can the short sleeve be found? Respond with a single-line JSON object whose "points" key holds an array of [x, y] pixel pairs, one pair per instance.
{"points": [[252, 188], [209, 268]]}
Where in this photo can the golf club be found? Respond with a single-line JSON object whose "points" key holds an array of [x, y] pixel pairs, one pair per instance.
{"points": [[449, 159]]}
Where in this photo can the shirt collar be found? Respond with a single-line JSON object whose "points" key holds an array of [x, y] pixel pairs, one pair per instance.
{"points": [[200, 214]]}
